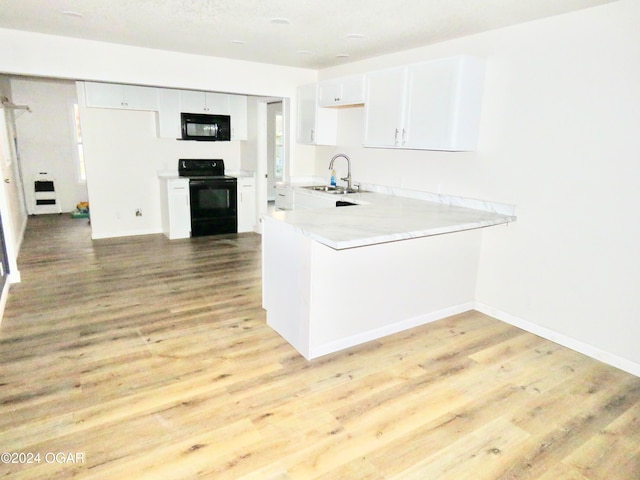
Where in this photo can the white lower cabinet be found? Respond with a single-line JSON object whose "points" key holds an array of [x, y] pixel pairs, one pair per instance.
{"points": [[175, 208], [246, 204], [284, 198]]}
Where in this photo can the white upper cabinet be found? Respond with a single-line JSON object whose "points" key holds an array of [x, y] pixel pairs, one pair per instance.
{"points": [[342, 91], [172, 102], [169, 125], [113, 95], [192, 101], [384, 108], [238, 112], [432, 106], [315, 125]]}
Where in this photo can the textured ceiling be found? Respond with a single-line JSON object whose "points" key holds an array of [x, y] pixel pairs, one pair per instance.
{"points": [[319, 32]]}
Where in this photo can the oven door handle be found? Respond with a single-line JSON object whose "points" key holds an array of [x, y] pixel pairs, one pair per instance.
{"points": [[214, 183]]}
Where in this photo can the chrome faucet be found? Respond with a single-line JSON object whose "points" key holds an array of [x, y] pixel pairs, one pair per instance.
{"points": [[348, 177]]}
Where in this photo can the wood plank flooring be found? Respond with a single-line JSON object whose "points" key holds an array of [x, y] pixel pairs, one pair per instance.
{"points": [[150, 359]]}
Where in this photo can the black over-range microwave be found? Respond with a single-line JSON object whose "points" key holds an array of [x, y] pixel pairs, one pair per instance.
{"points": [[209, 128]]}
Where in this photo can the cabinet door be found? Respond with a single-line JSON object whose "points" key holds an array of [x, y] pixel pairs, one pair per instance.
{"points": [[178, 206], [103, 95], [383, 108], [114, 95], [443, 104], [316, 125], [341, 91], [169, 113], [192, 101], [246, 204], [217, 103], [306, 113], [430, 104], [284, 198], [329, 93], [238, 112], [352, 90], [140, 98]]}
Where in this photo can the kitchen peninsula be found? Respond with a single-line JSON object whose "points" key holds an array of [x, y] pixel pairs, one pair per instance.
{"points": [[338, 277]]}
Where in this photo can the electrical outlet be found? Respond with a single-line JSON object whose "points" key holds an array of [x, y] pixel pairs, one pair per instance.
{"points": [[138, 212]]}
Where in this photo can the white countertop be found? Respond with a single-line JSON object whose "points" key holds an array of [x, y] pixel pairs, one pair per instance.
{"points": [[173, 174], [385, 215]]}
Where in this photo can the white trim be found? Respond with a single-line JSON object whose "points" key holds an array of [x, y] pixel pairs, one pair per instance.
{"points": [[561, 339], [331, 347], [126, 233], [3, 298], [73, 108]]}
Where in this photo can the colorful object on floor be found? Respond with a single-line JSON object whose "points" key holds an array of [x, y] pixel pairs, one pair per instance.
{"points": [[81, 211]]}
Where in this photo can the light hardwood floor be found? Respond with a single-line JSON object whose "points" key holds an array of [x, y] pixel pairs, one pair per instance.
{"points": [[152, 360]]}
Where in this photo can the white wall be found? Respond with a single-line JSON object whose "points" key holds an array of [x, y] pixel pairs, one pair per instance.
{"points": [[123, 156], [560, 140], [68, 58], [26, 53], [46, 137]]}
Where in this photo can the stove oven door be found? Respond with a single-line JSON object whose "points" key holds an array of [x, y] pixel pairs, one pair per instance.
{"points": [[214, 206]]}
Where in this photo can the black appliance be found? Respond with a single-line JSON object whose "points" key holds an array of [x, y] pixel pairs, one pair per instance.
{"points": [[213, 196], [342, 203], [208, 128]]}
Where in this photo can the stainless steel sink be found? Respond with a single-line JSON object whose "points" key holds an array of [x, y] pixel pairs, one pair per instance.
{"points": [[331, 189]]}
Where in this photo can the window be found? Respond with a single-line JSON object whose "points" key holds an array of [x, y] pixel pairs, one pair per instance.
{"points": [[82, 175], [279, 149]]}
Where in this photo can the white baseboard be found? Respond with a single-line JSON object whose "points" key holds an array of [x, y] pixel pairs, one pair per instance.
{"points": [[561, 339], [124, 233], [360, 338]]}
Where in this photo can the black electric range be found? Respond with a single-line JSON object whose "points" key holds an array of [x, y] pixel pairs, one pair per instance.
{"points": [[213, 196]]}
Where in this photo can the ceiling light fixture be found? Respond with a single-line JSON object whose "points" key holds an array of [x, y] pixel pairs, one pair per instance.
{"points": [[238, 42], [72, 13], [343, 55], [280, 21], [355, 35], [303, 52]]}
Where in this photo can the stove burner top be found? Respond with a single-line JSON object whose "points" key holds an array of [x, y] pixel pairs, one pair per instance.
{"points": [[201, 168]]}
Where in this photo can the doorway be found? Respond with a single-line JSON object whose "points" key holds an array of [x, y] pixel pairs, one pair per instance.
{"points": [[275, 148]]}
